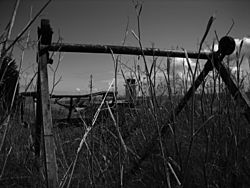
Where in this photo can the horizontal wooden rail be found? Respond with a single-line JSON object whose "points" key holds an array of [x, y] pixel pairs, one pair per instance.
{"points": [[110, 93], [34, 94], [126, 50]]}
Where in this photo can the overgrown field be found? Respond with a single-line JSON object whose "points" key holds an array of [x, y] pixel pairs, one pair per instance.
{"points": [[144, 144], [207, 145]]}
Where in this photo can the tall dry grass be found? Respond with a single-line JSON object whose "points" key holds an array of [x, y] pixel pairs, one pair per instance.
{"points": [[206, 145]]}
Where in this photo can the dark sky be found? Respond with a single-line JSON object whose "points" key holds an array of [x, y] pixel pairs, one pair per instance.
{"points": [[166, 23]]}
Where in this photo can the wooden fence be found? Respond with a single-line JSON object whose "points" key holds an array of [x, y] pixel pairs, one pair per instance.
{"points": [[44, 118]]}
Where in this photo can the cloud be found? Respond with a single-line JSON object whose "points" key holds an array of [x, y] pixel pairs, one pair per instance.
{"points": [[182, 63], [245, 50], [242, 52], [180, 68], [233, 69]]}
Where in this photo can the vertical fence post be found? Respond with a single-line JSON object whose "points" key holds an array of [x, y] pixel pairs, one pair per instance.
{"points": [[45, 36], [70, 108], [38, 115]]}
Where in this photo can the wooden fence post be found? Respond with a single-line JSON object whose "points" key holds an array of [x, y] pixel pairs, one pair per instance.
{"points": [[45, 36], [38, 115], [70, 108]]}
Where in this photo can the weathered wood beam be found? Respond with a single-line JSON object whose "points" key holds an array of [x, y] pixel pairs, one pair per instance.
{"points": [[70, 108], [126, 50], [34, 94], [38, 109], [239, 96], [110, 93], [45, 35]]}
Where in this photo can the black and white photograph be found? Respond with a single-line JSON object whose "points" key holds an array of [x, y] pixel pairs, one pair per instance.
{"points": [[124, 93]]}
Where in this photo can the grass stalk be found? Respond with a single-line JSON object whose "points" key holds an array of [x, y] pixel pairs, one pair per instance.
{"points": [[27, 27], [5, 162]]}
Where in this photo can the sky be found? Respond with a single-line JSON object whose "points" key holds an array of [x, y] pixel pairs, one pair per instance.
{"points": [[166, 24]]}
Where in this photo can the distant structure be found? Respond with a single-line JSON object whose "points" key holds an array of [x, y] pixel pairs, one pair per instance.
{"points": [[145, 89], [130, 90]]}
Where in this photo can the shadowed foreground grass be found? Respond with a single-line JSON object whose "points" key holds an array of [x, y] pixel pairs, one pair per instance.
{"points": [[215, 154]]}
